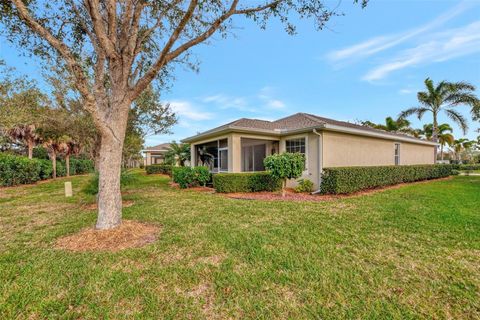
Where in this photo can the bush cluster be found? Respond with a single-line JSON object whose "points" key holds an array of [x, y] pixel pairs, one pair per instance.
{"points": [[16, 170], [304, 186], [159, 168], [191, 176], [246, 182], [352, 179], [469, 167]]}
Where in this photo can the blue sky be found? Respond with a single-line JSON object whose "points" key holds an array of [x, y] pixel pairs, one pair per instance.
{"points": [[366, 65]]}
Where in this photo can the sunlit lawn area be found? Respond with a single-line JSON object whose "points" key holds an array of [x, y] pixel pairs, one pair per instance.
{"points": [[411, 252]]}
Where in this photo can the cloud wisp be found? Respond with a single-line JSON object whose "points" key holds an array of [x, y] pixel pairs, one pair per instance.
{"points": [[381, 43], [187, 110], [442, 46]]}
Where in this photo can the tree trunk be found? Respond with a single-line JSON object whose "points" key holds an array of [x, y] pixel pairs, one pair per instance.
{"points": [[54, 164], [284, 185], [435, 137], [109, 194], [67, 163], [30, 149]]}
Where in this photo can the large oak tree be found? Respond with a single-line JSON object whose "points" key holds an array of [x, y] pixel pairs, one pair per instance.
{"points": [[115, 49]]}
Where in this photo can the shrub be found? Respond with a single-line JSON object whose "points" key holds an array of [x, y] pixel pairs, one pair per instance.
{"points": [[469, 167], [285, 166], [246, 182], [304, 186], [352, 179], [159, 168], [191, 176], [46, 169], [184, 176], [18, 170], [81, 166], [202, 175]]}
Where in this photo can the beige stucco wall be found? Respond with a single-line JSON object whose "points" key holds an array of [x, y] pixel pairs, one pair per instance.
{"points": [[411, 153], [341, 150]]}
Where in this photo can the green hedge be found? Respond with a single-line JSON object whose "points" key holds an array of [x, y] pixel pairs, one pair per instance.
{"points": [[351, 179], [468, 167], [191, 176], [245, 182], [18, 170], [159, 168], [21, 170]]}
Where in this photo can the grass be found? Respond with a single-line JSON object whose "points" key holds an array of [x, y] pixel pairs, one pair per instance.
{"points": [[406, 253]]}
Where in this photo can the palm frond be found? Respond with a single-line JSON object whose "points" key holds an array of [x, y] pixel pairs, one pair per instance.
{"points": [[418, 111], [458, 118]]}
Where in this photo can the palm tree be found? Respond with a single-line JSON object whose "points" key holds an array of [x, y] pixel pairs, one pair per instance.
{"points": [[444, 97], [70, 147], [178, 153], [399, 125], [26, 134], [54, 146], [462, 145]]}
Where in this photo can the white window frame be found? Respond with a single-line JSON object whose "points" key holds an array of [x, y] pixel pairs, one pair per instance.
{"points": [[397, 157], [301, 136], [219, 158]]}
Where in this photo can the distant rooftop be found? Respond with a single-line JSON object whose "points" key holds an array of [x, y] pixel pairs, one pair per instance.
{"points": [[160, 147]]}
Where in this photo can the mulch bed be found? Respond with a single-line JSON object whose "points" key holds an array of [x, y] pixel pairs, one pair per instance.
{"points": [[130, 234]]}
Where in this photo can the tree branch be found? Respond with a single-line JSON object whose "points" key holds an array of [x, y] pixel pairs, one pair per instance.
{"points": [[93, 9]]}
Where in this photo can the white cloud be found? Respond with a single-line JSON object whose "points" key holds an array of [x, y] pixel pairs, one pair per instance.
{"points": [[266, 94], [406, 91], [381, 43], [187, 110], [442, 46]]}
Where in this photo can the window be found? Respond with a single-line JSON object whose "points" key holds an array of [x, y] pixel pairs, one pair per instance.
{"points": [[295, 145], [223, 157], [253, 157], [397, 154]]}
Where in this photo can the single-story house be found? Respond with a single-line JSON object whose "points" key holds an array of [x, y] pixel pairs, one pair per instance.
{"points": [[156, 154], [241, 145]]}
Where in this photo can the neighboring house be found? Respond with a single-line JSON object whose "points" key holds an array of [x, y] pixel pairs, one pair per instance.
{"points": [[156, 154], [241, 145]]}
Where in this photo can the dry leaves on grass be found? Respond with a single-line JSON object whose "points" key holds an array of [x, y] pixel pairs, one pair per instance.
{"points": [[130, 234]]}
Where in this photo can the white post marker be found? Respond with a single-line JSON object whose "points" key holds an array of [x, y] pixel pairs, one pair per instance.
{"points": [[68, 189]]}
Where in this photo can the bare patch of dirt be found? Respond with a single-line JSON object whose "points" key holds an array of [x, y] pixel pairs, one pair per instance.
{"points": [[125, 204], [130, 234], [293, 196], [203, 189]]}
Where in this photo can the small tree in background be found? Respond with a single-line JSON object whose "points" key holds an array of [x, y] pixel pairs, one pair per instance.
{"points": [[27, 135], [285, 166], [178, 154], [70, 147]]}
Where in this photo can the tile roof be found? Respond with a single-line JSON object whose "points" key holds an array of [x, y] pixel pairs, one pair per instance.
{"points": [[295, 122], [163, 146]]}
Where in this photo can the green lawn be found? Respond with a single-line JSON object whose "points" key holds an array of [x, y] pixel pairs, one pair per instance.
{"points": [[406, 253]]}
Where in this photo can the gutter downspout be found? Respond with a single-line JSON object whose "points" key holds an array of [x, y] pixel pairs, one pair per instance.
{"points": [[320, 160]]}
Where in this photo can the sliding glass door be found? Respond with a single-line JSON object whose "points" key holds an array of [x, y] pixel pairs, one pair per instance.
{"points": [[253, 157]]}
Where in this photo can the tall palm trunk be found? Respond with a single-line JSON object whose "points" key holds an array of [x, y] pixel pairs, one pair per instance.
{"points": [[30, 148], [54, 164], [435, 135], [67, 164]]}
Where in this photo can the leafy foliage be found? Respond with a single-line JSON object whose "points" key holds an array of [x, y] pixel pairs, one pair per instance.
{"points": [[191, 176], [285, 165], [21, 170], [352, 179], [178, 153], [246, 182], [304, 186], [159, 168]]}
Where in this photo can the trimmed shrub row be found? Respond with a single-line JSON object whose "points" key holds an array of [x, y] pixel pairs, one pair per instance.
{"points": [[159, 168], [469, 167], [16, 170], [351, 179], [246, 182], [191, 176]]}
